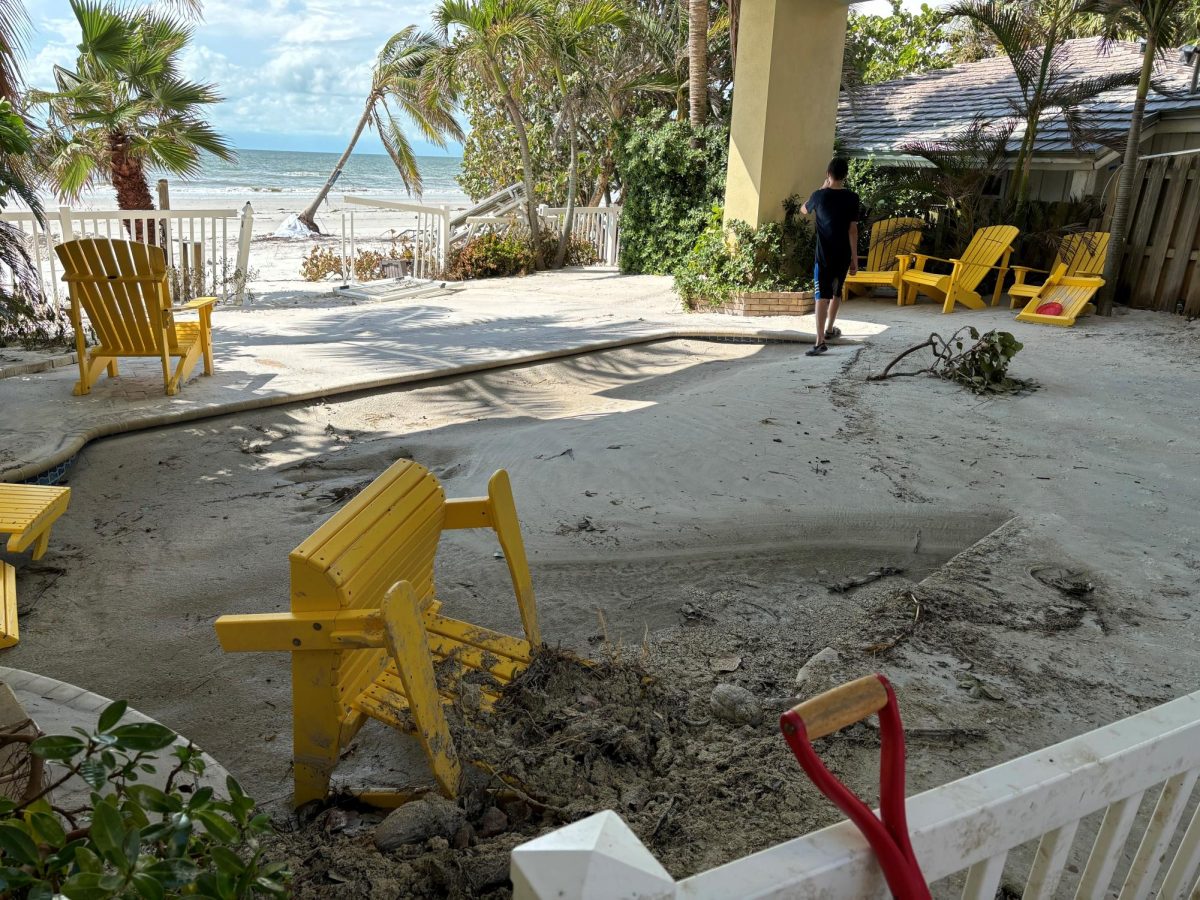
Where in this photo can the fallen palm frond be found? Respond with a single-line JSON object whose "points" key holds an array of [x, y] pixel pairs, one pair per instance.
{"points": [[981, 367]]}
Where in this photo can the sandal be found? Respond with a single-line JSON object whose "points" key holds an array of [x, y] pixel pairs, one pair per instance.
{"points": [[816, 350], [833, 333]]}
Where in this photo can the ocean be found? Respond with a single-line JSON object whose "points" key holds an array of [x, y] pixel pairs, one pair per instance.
{"points": [[279, 173]]}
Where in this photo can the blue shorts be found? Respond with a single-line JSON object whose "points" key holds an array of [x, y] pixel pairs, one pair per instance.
{"points": [[829, 279]]}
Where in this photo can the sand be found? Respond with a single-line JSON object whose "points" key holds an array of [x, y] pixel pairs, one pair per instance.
{"points": [[274, 278], [702, 495]]}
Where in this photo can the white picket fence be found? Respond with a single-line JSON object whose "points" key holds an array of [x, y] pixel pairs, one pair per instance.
{"points": [[968, 827], [600, 226], [428, 238], [208, 250]]}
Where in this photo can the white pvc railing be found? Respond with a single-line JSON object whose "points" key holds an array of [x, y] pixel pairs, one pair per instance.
{"points": [[429, 235], [600, 226], [968, 827], [208, 250]]}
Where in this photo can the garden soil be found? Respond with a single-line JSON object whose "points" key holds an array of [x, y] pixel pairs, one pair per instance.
{"points": [[696, 514]]}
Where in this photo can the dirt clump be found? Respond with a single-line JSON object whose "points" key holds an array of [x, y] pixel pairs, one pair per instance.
{"points": [[567, 739]]}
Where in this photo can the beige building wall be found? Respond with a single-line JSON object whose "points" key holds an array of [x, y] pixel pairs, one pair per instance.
{"points": [[789, 68]]}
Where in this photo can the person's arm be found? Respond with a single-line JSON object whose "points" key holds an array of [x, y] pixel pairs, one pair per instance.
{"points": [[807, 208], [853, 248]]}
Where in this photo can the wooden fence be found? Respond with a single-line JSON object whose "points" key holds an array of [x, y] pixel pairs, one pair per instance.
{"points": [[1161, 269]]}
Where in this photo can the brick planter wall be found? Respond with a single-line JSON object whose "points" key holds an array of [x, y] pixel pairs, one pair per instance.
{"points": [[769, 303]]}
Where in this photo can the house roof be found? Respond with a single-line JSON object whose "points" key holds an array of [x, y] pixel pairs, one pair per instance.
{"points": [[931, 106]]}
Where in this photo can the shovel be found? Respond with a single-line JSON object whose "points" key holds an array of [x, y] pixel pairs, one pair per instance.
{"points": [[887, 834]]}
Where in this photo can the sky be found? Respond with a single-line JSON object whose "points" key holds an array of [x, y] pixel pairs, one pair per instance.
{"points": [[294, 73]]}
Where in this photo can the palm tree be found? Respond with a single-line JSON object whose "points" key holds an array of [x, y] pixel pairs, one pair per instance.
{"points": [[397, 78], [500, 42], [574, 38], [1162, 23], [1031, 34], [125, 108], [697, 61], [13, 25]]}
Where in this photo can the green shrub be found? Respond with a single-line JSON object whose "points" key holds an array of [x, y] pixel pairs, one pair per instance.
{"points": [[491, 255], [671, 177], [132, 840], [776, 256]]}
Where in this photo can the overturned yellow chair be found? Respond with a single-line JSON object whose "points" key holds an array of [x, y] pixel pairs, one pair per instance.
{"points": [[124, 288], [1061, 299], [989, 250], [893, 242], [1080, 255], [365, 632], [27, 513]]}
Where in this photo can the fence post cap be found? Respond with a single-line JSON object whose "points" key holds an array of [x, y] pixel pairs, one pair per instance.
{"points": [[594, 858]]}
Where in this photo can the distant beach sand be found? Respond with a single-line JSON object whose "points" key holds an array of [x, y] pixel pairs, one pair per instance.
{"points": [[275, 262]]}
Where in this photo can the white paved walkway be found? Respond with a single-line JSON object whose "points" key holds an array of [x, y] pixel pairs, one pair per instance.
{"points": [[267, 357]]}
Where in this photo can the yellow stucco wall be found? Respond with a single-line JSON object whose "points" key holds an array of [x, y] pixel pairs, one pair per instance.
{"points": [[789, 68]]}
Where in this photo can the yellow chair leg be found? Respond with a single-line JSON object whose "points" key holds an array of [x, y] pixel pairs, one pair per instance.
{"points": [[316, 737], [187, 362], [9, 632], [90, 370], [404, 633], [508, 530], [113, 370], [206, 339], [43, 543]]}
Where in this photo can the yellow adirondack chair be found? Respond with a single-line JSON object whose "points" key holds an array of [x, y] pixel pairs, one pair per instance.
{"points": [[893, 242], [123, 286], [1082, 254], [365, 632], [989, 249], [1072, 292]]}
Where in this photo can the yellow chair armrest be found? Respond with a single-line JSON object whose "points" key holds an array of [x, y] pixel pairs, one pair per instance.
{"points": [[1025, 269], [921, 257], [198, 303]]}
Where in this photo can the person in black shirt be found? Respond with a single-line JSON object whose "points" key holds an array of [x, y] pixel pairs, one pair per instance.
{"points": [[836, 212]]}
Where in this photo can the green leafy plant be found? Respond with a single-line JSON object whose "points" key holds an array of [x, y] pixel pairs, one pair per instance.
{"points": [[322, 262], [978, 362], [776, 256], [672, 175], [492, 255], [132, 839]]}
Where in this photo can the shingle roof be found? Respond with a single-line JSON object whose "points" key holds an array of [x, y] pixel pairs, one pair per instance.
{"points": [[931, 106]]}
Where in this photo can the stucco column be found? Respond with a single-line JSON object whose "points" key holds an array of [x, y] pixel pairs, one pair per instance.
{"points": [[789, 70]]}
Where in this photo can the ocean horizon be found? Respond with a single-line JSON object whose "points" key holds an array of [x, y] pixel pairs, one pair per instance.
{"points": [[303, 172]]}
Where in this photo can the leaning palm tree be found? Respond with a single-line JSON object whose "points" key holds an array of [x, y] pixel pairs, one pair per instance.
{"points": [[1031, 34], [501, 43], [1162, 23], [125, 108], [397, 79]]}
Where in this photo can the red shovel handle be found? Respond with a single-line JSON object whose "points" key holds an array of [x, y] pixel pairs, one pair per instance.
{"points": [[832, 711]]}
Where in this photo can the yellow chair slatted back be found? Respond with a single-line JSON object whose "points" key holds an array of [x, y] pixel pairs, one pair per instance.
{"points": [[985, 251], [891, 238], [388, 533], [1083, 253], [123, 288]]}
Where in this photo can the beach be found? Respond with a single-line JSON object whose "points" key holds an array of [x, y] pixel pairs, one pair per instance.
{"points": [[279, 184]]}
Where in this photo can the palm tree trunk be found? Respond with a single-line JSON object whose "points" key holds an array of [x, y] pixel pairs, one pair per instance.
{"points": [[308, 217], [128, 176], [514, 116], [564, 237], [1120, 217], [697, 61], [735, 16], [130, 182]]}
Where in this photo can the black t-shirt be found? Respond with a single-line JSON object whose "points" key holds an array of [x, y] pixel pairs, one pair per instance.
{"points": [[834, 209]]}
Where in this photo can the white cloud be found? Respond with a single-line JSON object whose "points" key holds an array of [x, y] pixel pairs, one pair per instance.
{"points": [[293, 72]]}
